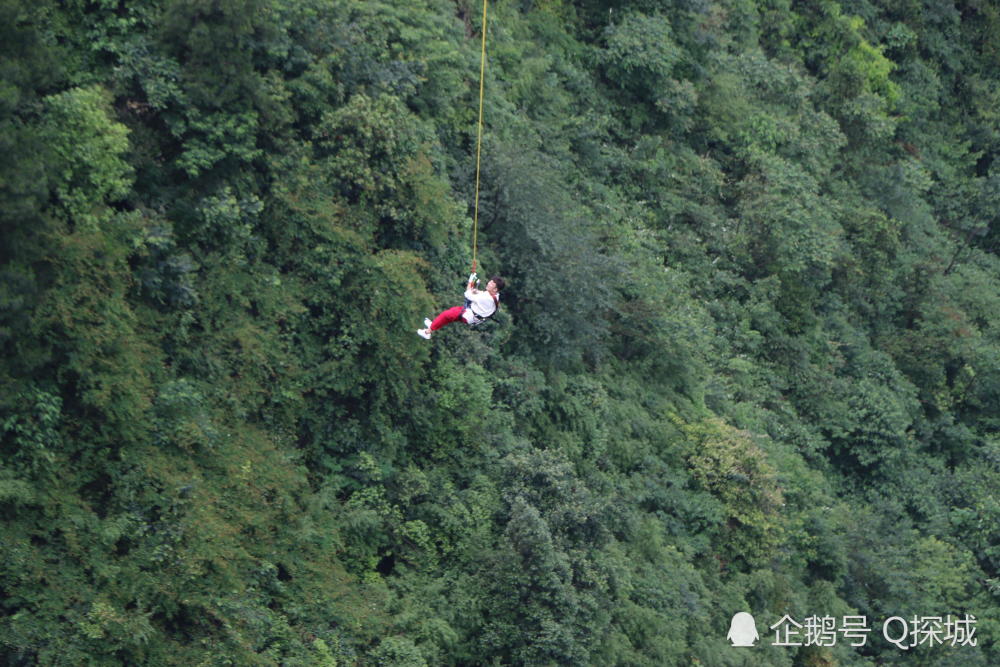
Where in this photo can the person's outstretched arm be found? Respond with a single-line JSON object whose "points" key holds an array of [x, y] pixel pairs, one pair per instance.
{"points": [[470, 288]]}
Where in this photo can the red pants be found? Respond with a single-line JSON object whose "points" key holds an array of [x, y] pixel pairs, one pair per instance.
{"points": [[447, 317]]}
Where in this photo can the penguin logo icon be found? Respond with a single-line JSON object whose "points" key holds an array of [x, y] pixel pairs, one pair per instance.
{"points": [[742, 630]]}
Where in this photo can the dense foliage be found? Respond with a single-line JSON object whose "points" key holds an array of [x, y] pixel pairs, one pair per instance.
{"points": [[749, 358]]}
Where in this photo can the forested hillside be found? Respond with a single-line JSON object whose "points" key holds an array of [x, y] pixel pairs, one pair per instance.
{"points": [[748, 355]]}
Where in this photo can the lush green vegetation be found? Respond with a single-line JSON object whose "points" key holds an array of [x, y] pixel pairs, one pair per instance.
{"points": [[749, 359]]}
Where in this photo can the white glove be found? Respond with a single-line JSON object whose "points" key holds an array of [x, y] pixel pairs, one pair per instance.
{"points": [[472, 277]]}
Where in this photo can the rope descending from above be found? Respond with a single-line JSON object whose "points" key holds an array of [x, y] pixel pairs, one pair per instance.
{"points": [[479, 139]]}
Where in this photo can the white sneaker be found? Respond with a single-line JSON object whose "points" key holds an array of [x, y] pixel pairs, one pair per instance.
{"points": [[427, 322], [424, 333]]}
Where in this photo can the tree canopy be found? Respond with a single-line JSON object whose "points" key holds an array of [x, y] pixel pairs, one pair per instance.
{"points": [[748, 357]]}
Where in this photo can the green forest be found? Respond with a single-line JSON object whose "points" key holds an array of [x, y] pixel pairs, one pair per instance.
{"points": [[747, 357]]}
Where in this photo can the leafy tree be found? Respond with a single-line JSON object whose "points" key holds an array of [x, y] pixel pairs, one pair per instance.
{"points": [[746, 357], [547, 245]]}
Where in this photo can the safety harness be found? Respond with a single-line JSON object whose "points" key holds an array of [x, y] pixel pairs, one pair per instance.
{"points": [[478, 319]]}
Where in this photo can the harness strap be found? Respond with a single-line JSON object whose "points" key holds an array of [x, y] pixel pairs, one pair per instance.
{"points": [[479, 319]]}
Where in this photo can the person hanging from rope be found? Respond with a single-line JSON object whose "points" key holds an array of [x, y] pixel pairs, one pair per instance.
{"points": [[479, 306]]}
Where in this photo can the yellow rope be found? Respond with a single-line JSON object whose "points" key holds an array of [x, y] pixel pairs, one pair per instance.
{"points": [[479, 138]]}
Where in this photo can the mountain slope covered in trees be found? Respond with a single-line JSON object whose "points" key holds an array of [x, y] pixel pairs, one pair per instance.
{"points": [[748, 357]]}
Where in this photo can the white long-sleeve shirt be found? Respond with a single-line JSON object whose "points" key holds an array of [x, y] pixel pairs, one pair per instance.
{"points": [[481, 304]]}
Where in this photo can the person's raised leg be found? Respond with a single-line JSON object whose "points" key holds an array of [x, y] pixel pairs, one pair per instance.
{"points": [[448, 317], [445, 318]]}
